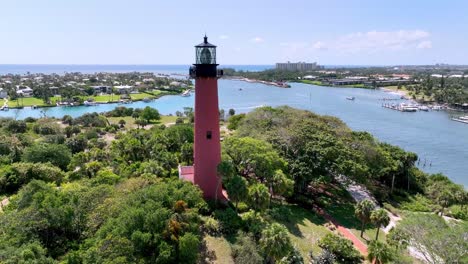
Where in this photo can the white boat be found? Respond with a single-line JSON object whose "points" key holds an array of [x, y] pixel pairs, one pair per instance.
{"points": [[89, 103], [351, 98], [186, 93], [462, 119], [424, 108], [408, 107]]}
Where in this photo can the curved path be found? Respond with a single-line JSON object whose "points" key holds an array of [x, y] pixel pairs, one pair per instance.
{"points": [[358, 244]]}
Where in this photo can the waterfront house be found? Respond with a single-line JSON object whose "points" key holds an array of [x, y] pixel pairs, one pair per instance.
{"points": [[102, 89], [123, 89], [24, 91]]}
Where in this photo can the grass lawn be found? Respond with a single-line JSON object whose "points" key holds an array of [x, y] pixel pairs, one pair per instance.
{"points": [[28, 101], [141, 96], [305, 229], [311, 82], [219, 250], [344, 214], [116, 97], [103, 98]]}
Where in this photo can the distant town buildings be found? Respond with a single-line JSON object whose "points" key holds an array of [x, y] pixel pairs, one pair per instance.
{"points": [[297, 66]]}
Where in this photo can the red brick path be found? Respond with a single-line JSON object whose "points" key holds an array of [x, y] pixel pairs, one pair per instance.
{"points": [[358, 244]]}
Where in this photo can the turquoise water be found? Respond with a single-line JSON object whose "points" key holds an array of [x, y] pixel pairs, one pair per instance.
{"points": [[432, 135]]}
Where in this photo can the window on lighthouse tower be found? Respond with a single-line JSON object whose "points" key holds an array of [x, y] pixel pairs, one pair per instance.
{"points": [[205, 56]]}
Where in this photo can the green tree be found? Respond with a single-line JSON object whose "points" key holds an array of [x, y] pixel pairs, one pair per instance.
{"points": [[122, 123], [280, 184], [149, 114], [379, 252], [379, 218], [237, 190], [275, 242], [363, 211], [258, 196], [342, 248], [245, 251], [234, 121], [59, 155], [188, 248]]}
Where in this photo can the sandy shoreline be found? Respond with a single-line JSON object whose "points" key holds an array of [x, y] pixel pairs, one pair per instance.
{"points": [[398, 92]]}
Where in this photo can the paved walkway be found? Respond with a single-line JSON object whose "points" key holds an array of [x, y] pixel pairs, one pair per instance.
{"points": [[358, 244]]}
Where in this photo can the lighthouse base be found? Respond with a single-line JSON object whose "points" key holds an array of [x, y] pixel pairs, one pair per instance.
{"points": [[187, 173]]}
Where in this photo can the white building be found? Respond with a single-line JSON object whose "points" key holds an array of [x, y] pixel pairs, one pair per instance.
{"points": [[123, 89], [297, 66], [24, 91]]}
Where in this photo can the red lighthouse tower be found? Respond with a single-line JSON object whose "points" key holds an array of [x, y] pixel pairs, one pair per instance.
{"points": [[207, 147]]}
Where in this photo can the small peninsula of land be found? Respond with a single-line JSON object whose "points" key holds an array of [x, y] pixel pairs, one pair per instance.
{"points": [[73, 89]]}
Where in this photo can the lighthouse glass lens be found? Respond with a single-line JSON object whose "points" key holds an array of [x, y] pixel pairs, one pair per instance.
{"points": [[205, 56]]}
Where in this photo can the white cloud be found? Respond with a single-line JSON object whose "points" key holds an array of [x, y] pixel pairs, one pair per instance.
{"points": [[374, 41], [257, 40], [427, 44], [319, 45], [223, 36]]}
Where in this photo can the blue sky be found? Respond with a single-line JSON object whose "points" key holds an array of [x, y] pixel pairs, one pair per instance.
{"points": [[330, 32]]}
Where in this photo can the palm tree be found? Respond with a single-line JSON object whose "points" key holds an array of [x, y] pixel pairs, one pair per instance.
{"points": [[379, 252], [363, 211], [275, 242], [379, 218]]}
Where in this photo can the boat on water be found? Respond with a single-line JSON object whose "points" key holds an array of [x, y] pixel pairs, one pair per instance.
{"points": [[89, 103], [240, 89], [408, 107], [186, 93], [122, 101], [146, 100], [462, 119], [424, 108], [351, 98], [4, 108]]}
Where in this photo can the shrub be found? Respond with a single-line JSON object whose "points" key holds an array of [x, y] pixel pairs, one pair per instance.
{"points": [[234, 121], [91, 120], [59, 155], [15, 126], [67, 119], [459, 212], [342, 248], [30, 119], [46, 127], [18, 174], [106, 176], [280, 213], [417, 203], [188, 248], [253, 222], [54, 139], [212, 226], [229, 220], [245, 250]]}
